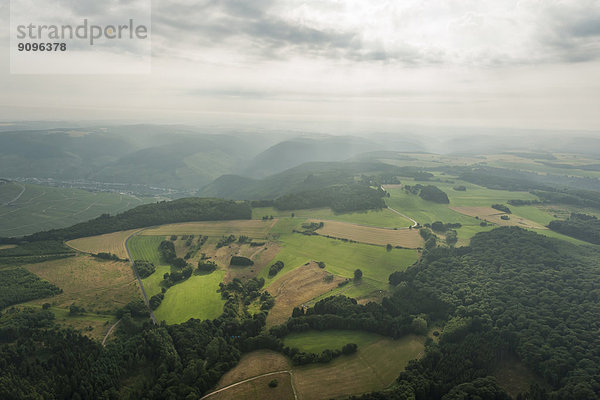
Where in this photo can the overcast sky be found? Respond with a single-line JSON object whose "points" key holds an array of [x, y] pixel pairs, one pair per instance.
{"points": [[489, 63]]}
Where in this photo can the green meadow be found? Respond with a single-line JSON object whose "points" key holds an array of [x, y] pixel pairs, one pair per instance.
{"points": [[317, 341], [379, 218], [342, 258], [196, 297]]}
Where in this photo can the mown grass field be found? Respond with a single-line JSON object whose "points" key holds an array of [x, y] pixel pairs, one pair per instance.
{"points": [[382, 218], [253, 364], [250, 228], [317, 341], [97, 285], [42, 207], [375, 366], [258, 389], [109, 243], [408, 238], [145, 248], [196, 297]]}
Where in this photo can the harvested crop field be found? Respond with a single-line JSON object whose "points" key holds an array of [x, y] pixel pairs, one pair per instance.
{"points": [[109, 243], [490, 214], [296, 288], [407, 238], [97, 285], [250, 228]]}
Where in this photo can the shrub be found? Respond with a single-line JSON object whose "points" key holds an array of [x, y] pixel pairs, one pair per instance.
{"points": [[275, 268], [241, 261]]}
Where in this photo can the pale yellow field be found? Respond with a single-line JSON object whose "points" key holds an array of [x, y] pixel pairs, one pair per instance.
{"points": [[374, 367], [7, 246], [258, 389], [109, 243], [408, 238], [490, 214], [253, 364], [97, 285], [296, 288], [252, 228]]}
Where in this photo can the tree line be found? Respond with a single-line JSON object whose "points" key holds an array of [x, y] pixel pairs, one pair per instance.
{"points": [[164, 212], [340, 198]]}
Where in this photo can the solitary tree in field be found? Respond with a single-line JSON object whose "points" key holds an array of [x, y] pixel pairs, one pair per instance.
{"points": [[388, 247], [357, 274]]}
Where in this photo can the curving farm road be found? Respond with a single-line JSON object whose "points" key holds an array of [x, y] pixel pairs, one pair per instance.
{"points": [[256, 377]]}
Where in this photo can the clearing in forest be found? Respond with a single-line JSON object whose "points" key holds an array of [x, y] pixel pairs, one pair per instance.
{"points": [[373, 367], [196, 297]]}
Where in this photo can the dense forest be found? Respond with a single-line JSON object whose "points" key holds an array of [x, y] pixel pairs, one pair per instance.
{"points": [[511, 292], [580, 226], [429, 193], [19, 285], [164, 212], [340, 198]]}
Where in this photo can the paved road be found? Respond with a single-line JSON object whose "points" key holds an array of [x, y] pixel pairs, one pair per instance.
{"points": [[138, 277], [415, 223], [256, 377]]}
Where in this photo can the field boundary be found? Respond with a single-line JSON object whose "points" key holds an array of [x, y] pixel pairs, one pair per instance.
{"points": [[254, 378], [109, 332], [132, 263]]}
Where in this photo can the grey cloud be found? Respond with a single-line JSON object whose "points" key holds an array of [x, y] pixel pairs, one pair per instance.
{"points": [[215, 22]]}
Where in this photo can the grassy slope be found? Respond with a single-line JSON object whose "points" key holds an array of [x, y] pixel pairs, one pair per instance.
{"points": [[375, 366], [42, 207], [317, 341], [146, 248], [341, 258], [379, 218], [428, 212], [196, 297]]}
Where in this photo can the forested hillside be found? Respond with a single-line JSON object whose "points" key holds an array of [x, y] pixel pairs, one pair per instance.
{"points": [[512, 292], [340, 198]]}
